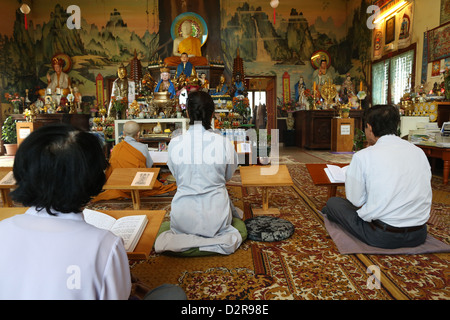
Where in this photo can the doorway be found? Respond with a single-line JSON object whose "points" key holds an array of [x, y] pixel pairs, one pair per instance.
{"points": [[262, 99]]}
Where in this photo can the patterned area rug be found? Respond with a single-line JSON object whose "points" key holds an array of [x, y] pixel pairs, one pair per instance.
{"points": [[306, 266]]}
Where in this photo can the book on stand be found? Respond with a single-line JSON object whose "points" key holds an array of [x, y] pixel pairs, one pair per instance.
{"points": [[8, 179], [335, 173], [129, 228]]}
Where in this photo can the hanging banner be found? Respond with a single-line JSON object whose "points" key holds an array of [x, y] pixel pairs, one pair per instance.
{"points": [[405, 23], [99, 91], [377, 44], [286, 87]]}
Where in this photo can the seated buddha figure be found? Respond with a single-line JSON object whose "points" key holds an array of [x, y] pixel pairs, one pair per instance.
{"points": [[222, 88], [59, 82], [165, 84], [189, 44]]}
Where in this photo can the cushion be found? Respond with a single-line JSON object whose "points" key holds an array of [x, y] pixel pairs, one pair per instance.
{"points": [[195, 252], [267, 228]]}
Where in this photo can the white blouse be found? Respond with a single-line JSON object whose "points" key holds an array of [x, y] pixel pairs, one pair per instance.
{"points": [[60, 257]]}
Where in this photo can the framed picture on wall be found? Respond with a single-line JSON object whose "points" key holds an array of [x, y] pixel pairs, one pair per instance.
{"points": [[390, 30], [439, 42]]}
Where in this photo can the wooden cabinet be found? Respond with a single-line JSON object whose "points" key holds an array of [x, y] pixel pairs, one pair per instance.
{"points": [[80, 121], [313, 127], [24, 129]]}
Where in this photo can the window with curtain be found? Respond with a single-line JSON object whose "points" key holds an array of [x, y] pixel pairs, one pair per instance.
{"points": [[391, 77]]}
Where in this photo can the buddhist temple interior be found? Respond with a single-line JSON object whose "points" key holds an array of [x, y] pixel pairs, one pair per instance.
{"points": [[293, 83]]}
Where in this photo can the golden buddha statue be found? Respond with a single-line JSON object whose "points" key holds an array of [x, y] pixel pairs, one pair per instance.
{"points": [[186, 43]]}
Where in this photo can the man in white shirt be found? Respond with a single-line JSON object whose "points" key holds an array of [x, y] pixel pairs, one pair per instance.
{"points": [[388, 187]]}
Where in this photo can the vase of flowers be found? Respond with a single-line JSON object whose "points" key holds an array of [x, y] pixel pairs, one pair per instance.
{"points": [[16, 101], [119, 104], [241, 106]]}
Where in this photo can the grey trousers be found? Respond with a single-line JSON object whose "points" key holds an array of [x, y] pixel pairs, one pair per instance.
{"points": [[343, 212]]}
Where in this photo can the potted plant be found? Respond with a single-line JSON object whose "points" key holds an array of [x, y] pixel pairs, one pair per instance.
{"points": [[9, 136], [359, 140]]}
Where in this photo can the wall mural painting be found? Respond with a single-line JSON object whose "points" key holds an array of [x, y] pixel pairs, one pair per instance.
{"points": [[270, 41]]}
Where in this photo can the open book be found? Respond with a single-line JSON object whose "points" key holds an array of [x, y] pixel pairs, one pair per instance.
{"points": [[142, 179], [336, 174], [129, 228]]}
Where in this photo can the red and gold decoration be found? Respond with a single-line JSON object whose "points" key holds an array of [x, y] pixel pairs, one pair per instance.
{"points": [[99, 90], [286, 87], [274, 4], [25, 9]]}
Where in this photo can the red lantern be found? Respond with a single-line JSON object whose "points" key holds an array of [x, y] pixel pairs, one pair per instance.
{"points": [[274, 4], [25, 9]]}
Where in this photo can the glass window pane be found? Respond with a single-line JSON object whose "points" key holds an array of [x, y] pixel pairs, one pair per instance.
{"points": [[380, 82], [401, 70]]}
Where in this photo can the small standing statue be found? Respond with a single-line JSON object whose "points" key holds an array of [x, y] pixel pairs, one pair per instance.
{"points": [[347, 89], [122, 88], [204, 83]]}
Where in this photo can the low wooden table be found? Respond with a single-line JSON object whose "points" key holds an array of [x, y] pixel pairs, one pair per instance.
{"points": [[440, 153], [147, 240], [265, 177], [121, 179], [5, 188], [320, 178]]}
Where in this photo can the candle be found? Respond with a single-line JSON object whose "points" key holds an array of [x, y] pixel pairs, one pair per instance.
{"points": [[360, 86], [314, 88]]}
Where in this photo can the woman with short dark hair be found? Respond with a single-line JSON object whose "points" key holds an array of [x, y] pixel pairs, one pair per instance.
{"points": [[59, 169], [50, 252]]}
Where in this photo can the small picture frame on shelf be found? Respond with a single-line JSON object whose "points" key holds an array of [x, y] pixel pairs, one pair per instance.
{"points": [[162, 146]]}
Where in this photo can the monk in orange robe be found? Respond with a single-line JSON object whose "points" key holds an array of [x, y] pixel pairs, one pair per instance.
{"points": [[124, 155]]}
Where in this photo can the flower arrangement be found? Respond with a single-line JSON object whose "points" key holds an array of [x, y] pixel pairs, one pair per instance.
{"points": [[241, 105], [284, 107], [119, 104], [309, 96], [15, 100]]}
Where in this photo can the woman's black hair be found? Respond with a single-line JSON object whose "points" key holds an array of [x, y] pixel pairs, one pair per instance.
{"points": [[60, 168], [200, 107], [384, 119]]}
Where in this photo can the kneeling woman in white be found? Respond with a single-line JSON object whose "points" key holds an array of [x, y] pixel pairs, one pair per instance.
{"points": [[201, 162]]}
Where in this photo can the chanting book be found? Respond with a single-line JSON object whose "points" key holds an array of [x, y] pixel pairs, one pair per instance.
{"points": [[129, 228], [336, 174], [8, 179]]}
